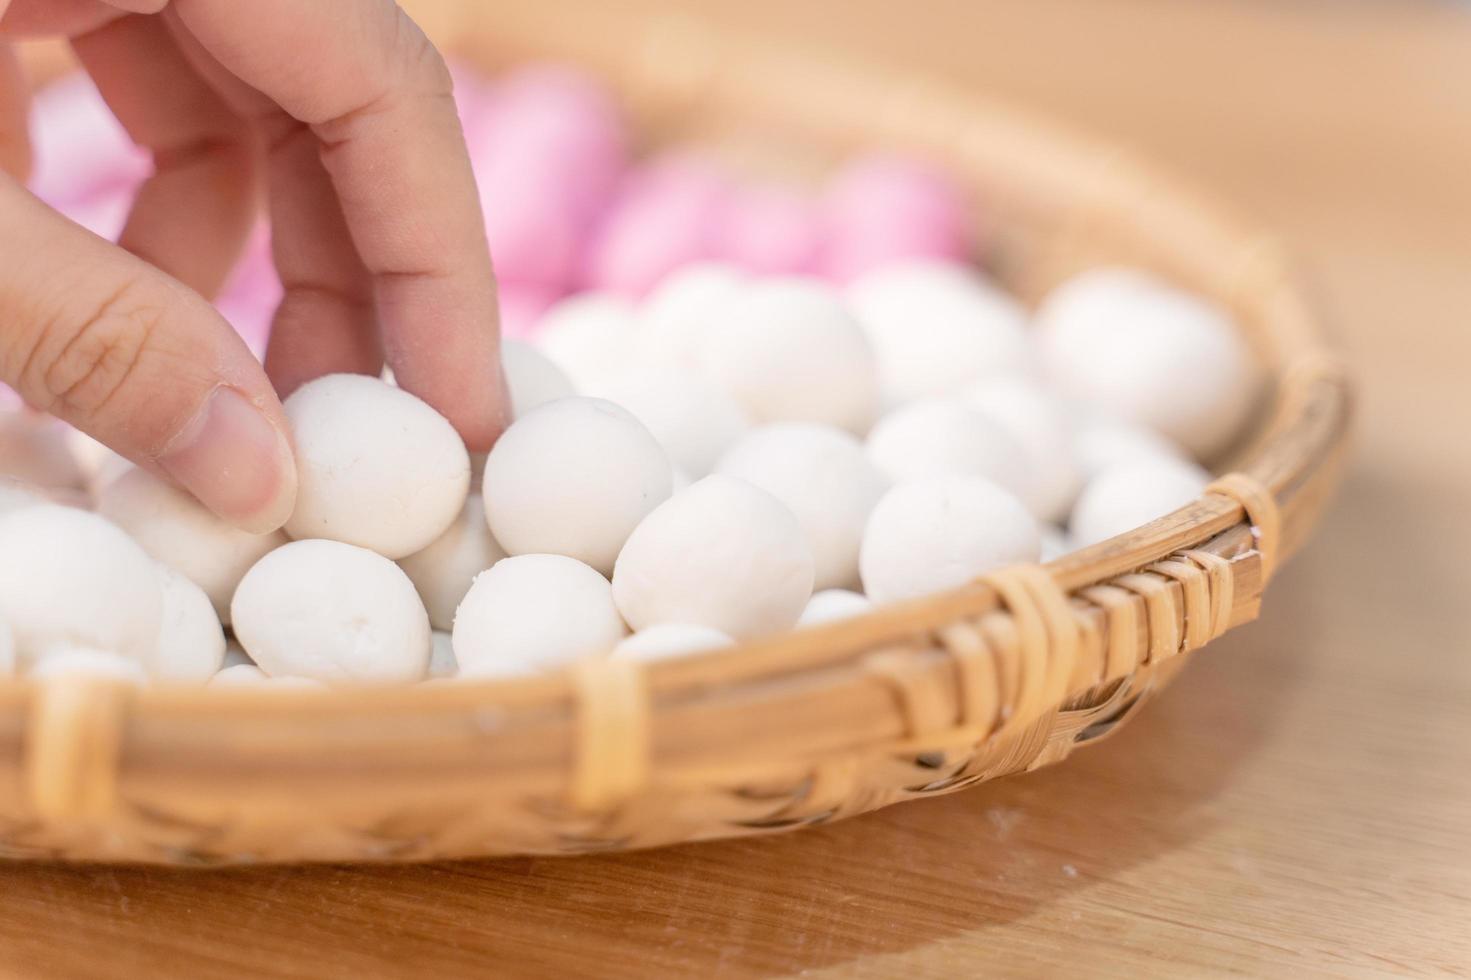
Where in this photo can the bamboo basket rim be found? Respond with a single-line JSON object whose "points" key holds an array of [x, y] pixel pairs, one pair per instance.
{"points": [[595, 734]]}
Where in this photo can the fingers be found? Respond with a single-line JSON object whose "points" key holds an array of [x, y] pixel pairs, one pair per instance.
{"points": [[15, 144], [326, 321], [377, 96], [44, 18], [192, 217], [133, 358]]}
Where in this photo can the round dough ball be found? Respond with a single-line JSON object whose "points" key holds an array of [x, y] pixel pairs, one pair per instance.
{"points": [[670, 640], [676, 317], [7, 649], [533, 378], [99, 464], [70, 577], [772, 230], [831, 605], [1042, 426], [566, 129], [1131, 495], [378, 468], [35, 449], [77, 662], [722, 554], [1150, 354], [15, 494], [882, 208], [824, 477], [235, 654], [1055, 542], [442, 662], [191, 642], [937, 327], [1101, 443], [934, 438], [931, 535], [443, 571], [249, 675], [534, 613], [185, 535], [667, 214], [574, 477], [332, 612], [589, 336], [692, 419], [788, 351]]}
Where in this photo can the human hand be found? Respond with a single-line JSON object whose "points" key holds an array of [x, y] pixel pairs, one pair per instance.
{"points": [[343, 110]]}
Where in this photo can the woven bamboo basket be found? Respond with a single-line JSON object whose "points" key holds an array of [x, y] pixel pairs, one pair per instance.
{"points": [[931, 696]]}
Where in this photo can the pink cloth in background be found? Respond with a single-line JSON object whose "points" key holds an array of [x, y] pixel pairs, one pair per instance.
{"points": [[565, 208]]}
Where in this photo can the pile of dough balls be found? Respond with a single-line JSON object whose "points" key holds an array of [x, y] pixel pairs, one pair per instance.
{"points": [[729, 451]]}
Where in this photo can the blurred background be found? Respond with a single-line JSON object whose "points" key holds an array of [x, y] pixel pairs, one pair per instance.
{"points": [[1301, 799]]}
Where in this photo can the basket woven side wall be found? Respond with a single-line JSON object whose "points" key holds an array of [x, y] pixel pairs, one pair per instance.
{"points": [[926, 697]]}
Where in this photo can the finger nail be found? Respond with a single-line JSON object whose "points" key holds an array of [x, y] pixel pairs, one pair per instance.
{"points": [[236, 462]]}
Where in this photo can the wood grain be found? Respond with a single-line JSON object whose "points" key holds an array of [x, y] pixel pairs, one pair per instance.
{"points": [[1301, 798]]}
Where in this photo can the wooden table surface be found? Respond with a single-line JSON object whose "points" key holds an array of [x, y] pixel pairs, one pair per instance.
{"points": [[1300, 801]]}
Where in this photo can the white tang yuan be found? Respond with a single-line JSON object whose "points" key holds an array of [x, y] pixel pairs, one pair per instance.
{"points": [[532, 377], [99, 464], [1042, 426], [1149, 354], [71, 663], [788, 351], [670, 640], [70, 577], [589, 336], [938, 327], [722, 554], [1100, 443], [14, 494], [249, 675], [334, 613], [443, 571], [831, 605], [534, 613], [693, 420], [185, 535], [378, 468], [1131, 495], [938, 438], [7, 648], [34, 449], [678, 315], [191, 643], [573, 477], [932, 535], [824, 477]]}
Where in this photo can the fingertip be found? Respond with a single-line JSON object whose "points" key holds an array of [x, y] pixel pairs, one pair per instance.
{"points": [[480, 420], [237, 460]]}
